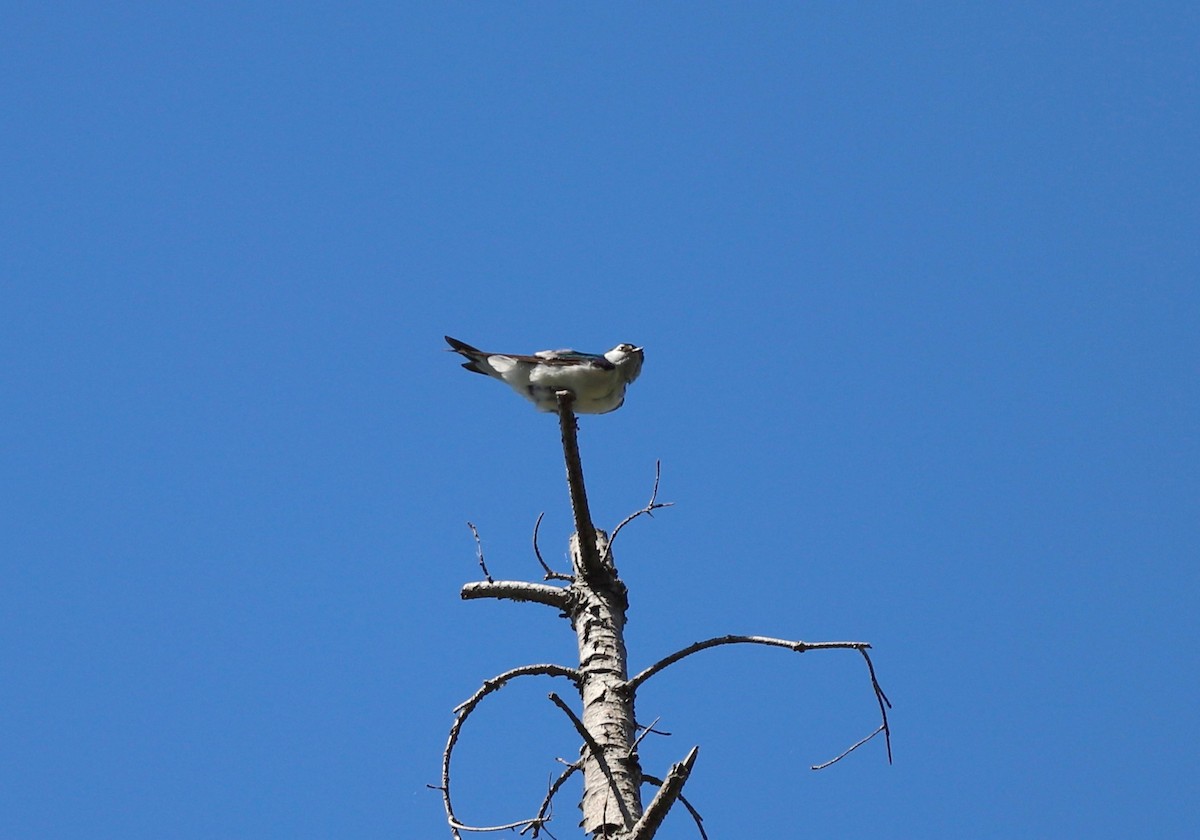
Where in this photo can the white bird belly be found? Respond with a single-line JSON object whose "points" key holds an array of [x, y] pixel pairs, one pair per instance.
{"points": [[596, 390]]}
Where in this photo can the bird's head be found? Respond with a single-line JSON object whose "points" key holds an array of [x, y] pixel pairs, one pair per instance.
{"points": [[628, 359]]}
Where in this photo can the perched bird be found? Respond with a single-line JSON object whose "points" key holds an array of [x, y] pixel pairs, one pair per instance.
{"points": [[598, 382]]}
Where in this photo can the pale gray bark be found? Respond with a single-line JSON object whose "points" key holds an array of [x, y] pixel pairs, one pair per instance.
{"points": [[612, 800]]}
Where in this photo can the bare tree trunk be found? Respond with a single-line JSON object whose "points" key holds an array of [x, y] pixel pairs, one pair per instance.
{"points": [[612, 778]]}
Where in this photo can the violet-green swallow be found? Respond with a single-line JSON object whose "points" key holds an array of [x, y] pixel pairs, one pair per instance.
{"points": [[598, 382]]}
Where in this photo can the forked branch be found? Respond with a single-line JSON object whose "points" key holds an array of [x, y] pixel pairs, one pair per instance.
{"points": [[648, 510], [885, 728]]}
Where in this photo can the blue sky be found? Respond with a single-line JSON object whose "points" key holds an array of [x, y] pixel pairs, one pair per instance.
{"points": [[918, 285]]}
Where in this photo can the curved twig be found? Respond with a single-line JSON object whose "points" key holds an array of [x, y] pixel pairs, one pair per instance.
{"points": [[648, 510], [455, 824], [797, 646], [852, 748], [479, 551], [463, 711], [550, 573]]}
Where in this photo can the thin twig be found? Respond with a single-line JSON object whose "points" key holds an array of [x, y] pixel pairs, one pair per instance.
{"points": [[483, 828], [550, 573], [541, 817], [646, 730], [850, 749], [597, 754], [479, 551], [537, 551], [654, 780], [884, 703], [648, 510]]}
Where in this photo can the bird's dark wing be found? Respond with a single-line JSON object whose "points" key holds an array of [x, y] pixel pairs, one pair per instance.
{"points": [[555, 358], [560, 358]]}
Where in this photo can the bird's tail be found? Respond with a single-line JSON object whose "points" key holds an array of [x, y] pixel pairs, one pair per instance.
{"points": [[473, 355]]}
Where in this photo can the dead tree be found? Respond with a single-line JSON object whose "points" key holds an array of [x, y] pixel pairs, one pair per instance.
{"points": [[595, 600]]}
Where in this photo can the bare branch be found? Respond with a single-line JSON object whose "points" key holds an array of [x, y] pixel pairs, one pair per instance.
{"points": [[479, 551], [584, 529], [648, 510], [668, 792], [463, 711], [797, 646], [597, 753], [500, 680], [518, 590], [550, 573], [654, 780]]}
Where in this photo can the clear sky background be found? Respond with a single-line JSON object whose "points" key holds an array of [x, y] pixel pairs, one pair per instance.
{"points": [[920, 290]]}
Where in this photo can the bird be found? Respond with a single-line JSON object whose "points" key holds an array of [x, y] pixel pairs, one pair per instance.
{"points": [[597, 381]]}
